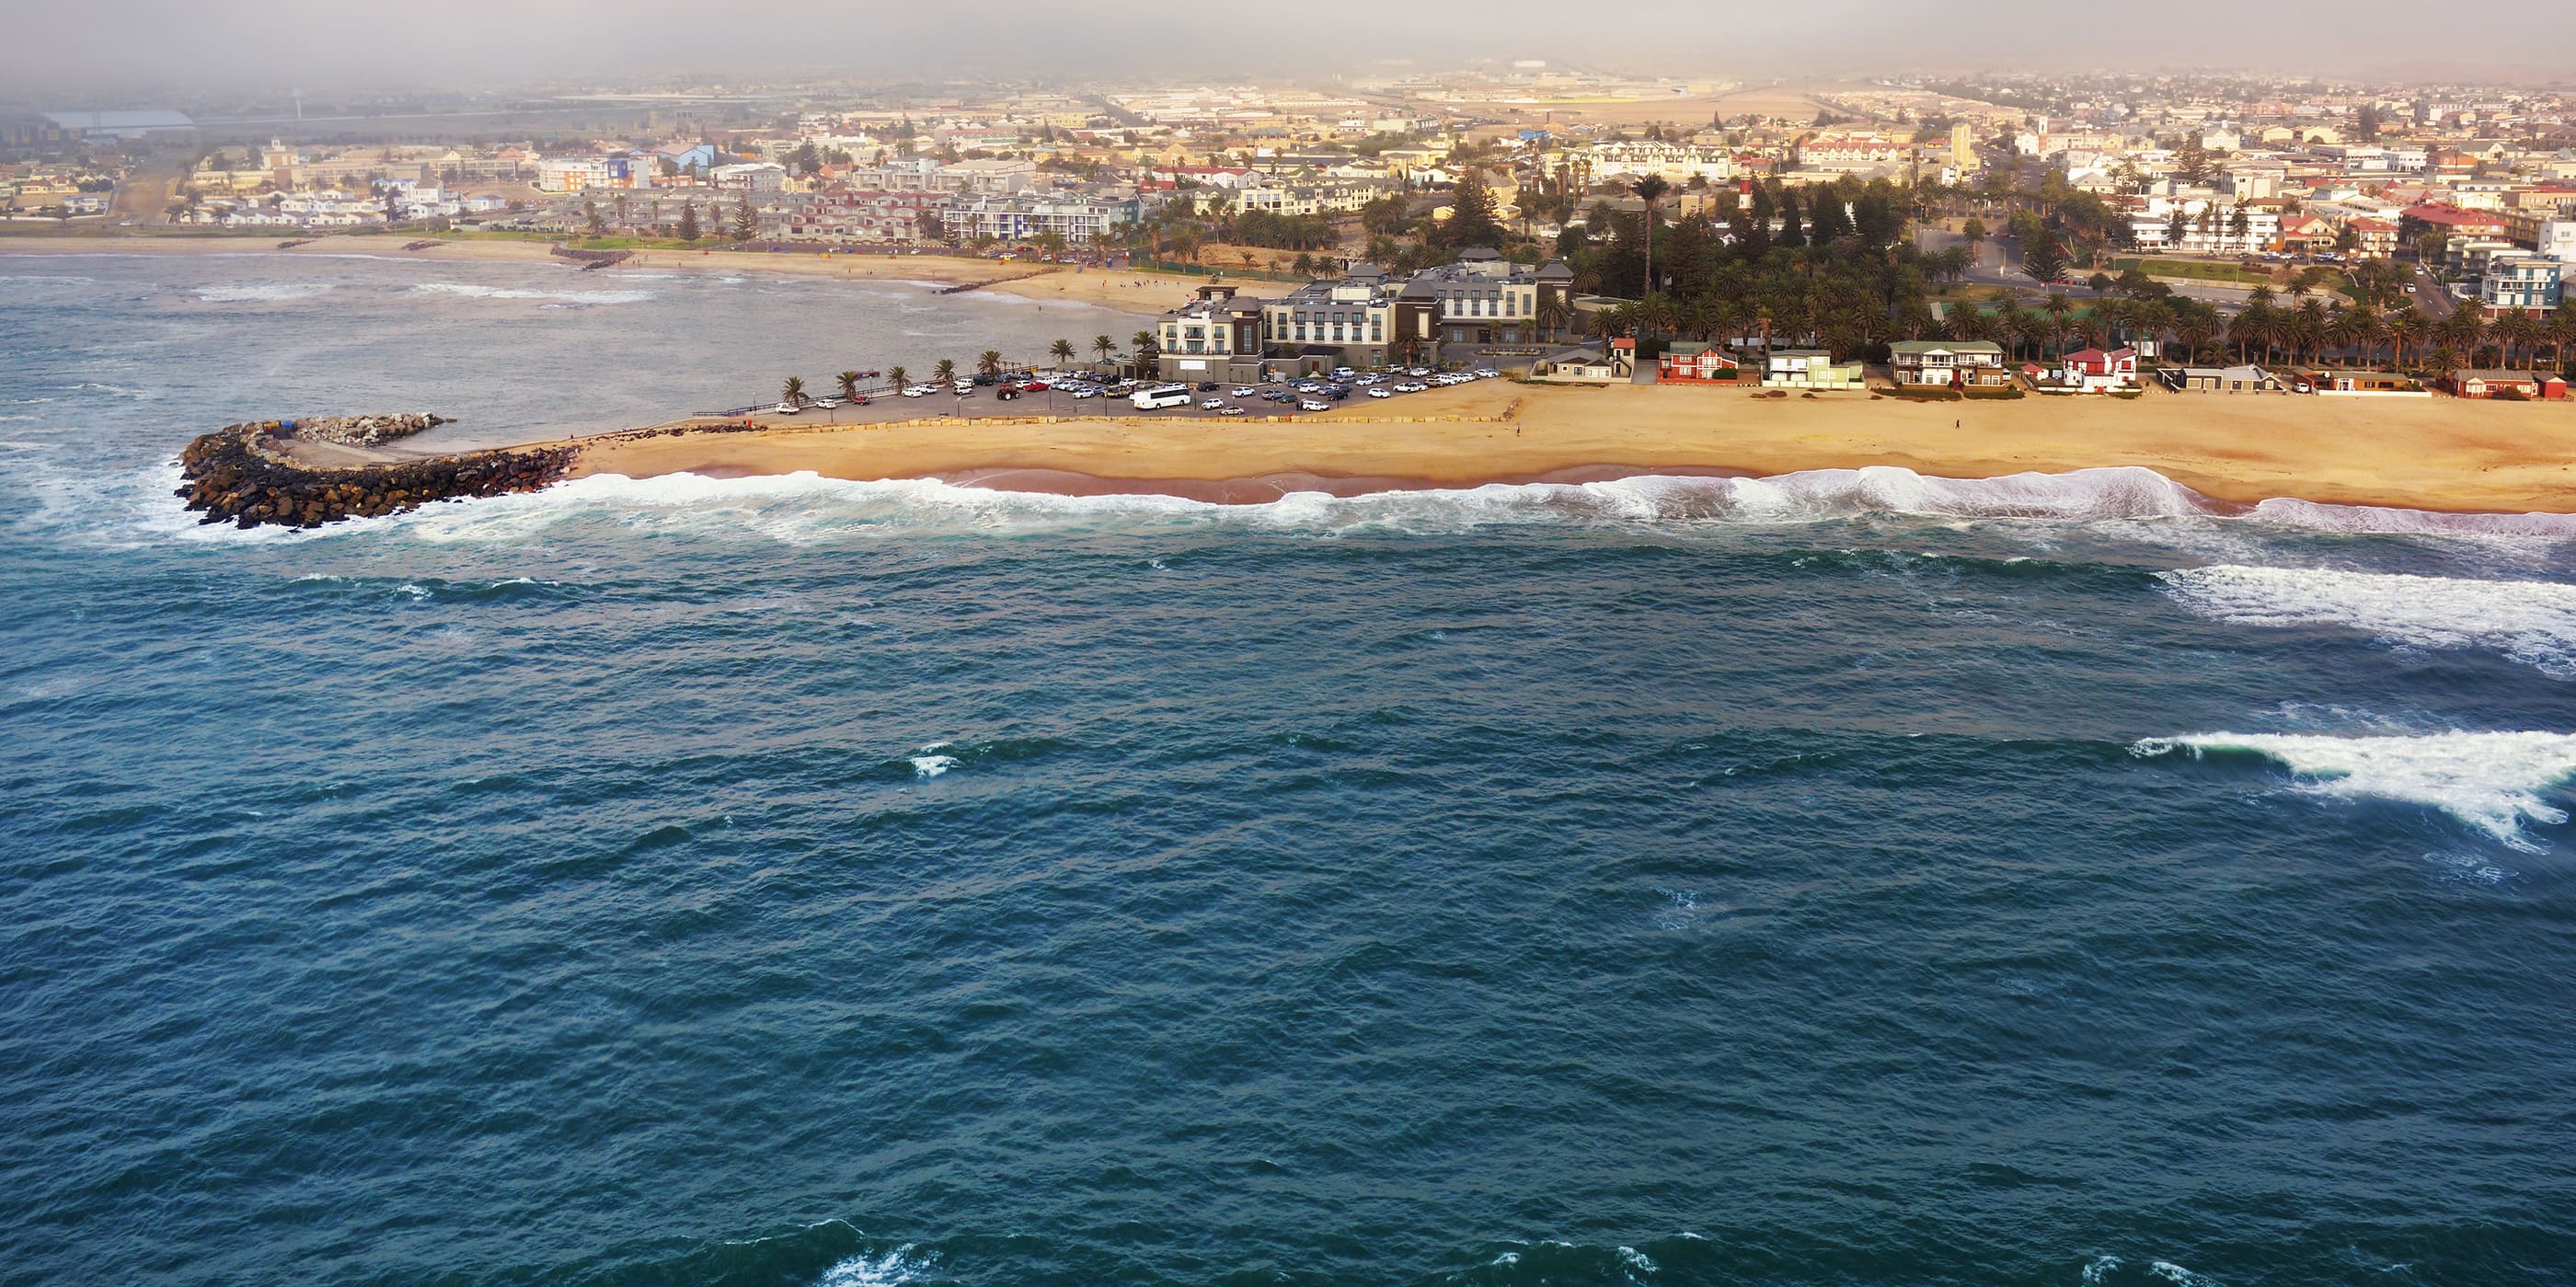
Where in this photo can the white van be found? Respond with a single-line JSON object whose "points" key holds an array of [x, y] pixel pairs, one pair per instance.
{"points": [[1155, 397]]}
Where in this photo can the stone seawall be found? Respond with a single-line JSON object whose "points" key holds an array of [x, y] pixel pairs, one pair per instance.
{"points": [[242, 474]]}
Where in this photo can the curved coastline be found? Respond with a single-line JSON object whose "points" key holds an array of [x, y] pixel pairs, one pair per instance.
{"points": [[2437, 456]]}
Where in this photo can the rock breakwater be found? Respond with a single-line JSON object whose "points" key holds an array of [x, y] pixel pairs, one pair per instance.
{"points": [[365, 431], [243, 474]]}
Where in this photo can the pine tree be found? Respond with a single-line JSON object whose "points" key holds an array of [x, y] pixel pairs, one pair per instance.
{"points": [[746, 224], [1471, 215], [688, 221]]}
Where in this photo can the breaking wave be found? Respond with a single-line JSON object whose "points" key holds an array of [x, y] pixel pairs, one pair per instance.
{"points": [[804, 505], [513, 292], [2493, 781], [2533, 622], [877, 1269]]}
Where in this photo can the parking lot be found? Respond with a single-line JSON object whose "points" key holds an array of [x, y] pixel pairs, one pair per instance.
{"points": [[1042, 394]]}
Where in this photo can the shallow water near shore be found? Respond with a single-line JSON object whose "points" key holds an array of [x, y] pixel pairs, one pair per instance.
{"points": [[1834, 880]]}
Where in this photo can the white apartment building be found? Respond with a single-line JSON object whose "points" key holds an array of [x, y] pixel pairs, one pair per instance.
{"points": [[1675, 162], [2208, 228], [1018, 218]]}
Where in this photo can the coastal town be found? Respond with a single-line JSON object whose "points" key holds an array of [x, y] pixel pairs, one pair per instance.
{"points": [[1981, 236]]}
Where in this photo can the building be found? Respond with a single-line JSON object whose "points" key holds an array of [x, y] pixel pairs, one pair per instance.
{"points": [[1692, 362], [2416, 220], [2468, 382], [759, 178], [1482, 298], [1615, 364], [2372, 238], [1811, 369], [572, 173], [2220, 379], [2094, 371], [1677, 162], [848, 216], [1947, 363], [2519, 281], [2337, 382], [1023, 217], [1216, 336], [1346, 321]]}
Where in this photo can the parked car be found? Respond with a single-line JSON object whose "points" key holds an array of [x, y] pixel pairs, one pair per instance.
{"points": [[1086, 393], [1314, 404], [1245, 391], [786, 408], [1213, 404], [827, 404], [1231, 411], [1380, 393], [1207, 386]]}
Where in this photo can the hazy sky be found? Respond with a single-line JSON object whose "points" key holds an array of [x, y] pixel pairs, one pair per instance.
{"points": [[150, 49]]}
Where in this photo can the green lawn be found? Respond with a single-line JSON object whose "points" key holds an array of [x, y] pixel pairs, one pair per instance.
{"points": [[2193, 269]]}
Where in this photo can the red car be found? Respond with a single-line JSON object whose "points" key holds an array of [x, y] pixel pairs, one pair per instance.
{"points": [[1035, 386]]}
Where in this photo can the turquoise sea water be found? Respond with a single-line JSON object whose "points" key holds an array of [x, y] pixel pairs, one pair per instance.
{"points": [[1837, 879]]}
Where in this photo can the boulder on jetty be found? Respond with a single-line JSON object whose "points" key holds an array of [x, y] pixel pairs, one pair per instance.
{"points": [[240, 474], [365, 431]]}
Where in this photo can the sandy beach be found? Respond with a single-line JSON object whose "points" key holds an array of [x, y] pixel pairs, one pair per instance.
{"points": [[2436, 454], [1142, 294]]}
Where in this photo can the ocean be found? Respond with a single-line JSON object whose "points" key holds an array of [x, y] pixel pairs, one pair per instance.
{"points": [[1842, 878]]}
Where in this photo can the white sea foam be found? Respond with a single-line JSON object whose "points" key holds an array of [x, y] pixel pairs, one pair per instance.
{"points": [[877, 1269], [2171, 1272], [2533, 622], [511, 292], [262, 292], [2492, 781], [2379, 518], [931, 766]]}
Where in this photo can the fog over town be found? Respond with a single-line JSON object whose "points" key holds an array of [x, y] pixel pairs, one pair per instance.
{"points": [[141, 45]]}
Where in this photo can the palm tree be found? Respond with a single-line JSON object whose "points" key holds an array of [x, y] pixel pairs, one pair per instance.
{"points": [[902, 378], [1061, 351], [944, 371], [2405, 326], [793, 392], [989, 364], [2560, 332], [1104, 346], [1650, 189], [2057, 307], [2194, 325], [2464, 332], [1655, 314], [849, 386], [1551, 315], [2517, 329]]}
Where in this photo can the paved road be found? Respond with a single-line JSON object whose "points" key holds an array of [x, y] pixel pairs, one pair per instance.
{"points": [[2431, 297]]}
